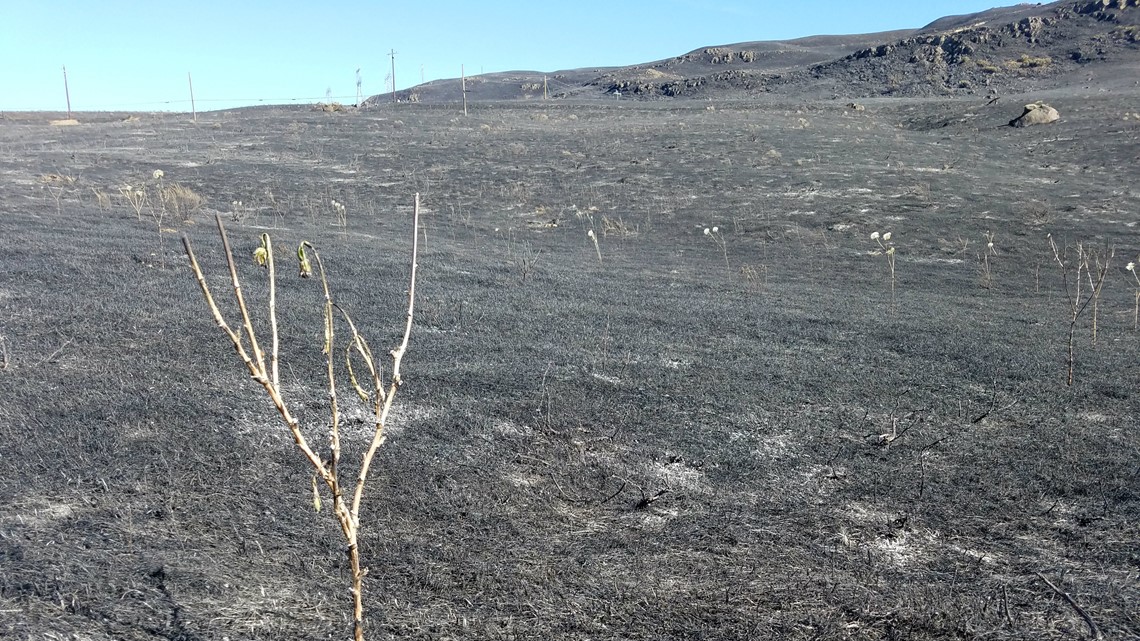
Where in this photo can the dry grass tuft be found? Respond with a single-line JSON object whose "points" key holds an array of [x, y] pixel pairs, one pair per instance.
{"points": [[1029, 62], [182, 200]]}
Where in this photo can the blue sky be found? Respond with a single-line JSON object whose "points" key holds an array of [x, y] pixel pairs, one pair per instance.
{"points": [[123, 55]]}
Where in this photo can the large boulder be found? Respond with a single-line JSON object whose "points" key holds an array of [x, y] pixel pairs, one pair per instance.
{"points": [[1036, 113]]}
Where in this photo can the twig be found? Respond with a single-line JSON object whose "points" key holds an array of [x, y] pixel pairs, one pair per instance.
{"points": [[646, 501], [3, 354], [614, 495], [1005, 605], [46, 360], [1093, 630]]}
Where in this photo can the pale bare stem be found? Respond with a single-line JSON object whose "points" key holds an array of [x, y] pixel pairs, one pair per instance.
{"points": [[383, 404], [257, 371], [987, 275], [360, 346], [398, 353], [234, 336], [1100, 260], [1072, 300], [887, 249], [715, 235], [594, 237], [3, 354], [1131, 268], [267, 243], [334, 407], [258, 356]]}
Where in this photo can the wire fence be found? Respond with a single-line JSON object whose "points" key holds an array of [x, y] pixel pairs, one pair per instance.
{"points": [[185, 104], [205, 104]]}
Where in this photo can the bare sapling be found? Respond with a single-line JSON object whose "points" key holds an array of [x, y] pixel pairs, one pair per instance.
{"points": [[346, 487], [1073, 272]]}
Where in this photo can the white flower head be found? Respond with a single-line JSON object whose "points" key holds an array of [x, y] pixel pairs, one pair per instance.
{"points": [[874, 235], [1130, 267], [890, 251], [887, 236], [590, 233], [158, 174], [707, 231], [716, 230]]}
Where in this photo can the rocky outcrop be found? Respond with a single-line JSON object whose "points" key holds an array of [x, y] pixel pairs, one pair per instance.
{"points": [[1105, 9]]}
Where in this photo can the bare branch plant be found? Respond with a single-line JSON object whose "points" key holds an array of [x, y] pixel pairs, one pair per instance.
{"points": [[346, 493], [1078, 299]]}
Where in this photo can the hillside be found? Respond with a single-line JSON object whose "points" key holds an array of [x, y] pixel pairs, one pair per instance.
{"points": [[1008, 49]]}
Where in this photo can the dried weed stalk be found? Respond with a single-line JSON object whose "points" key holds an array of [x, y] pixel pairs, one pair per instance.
{"points": [[326, 468], [715, 235], [594, 237], [984, 261], [136, 197], [886, 248], [1131, 267]]}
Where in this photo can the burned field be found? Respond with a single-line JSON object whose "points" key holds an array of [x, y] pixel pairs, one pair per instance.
{"points": [[754, 432]]}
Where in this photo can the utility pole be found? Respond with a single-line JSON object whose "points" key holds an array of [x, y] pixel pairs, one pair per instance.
{"points": [[193, 110], [545, 93], [66, 92], [359, 93], [463, 86], [392, 55]]}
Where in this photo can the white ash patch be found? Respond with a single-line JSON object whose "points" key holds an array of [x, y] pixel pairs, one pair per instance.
{"points": [[519, 479], [510, 428], [772, 445], [655, 519], [678, 475], [612, 380], [36, 512]]}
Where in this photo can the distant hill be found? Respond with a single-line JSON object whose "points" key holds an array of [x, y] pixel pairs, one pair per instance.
{"points": [[1007, 49]]}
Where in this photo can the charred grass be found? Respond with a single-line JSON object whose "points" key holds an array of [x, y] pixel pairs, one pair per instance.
{"points": [[651, 446]]}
